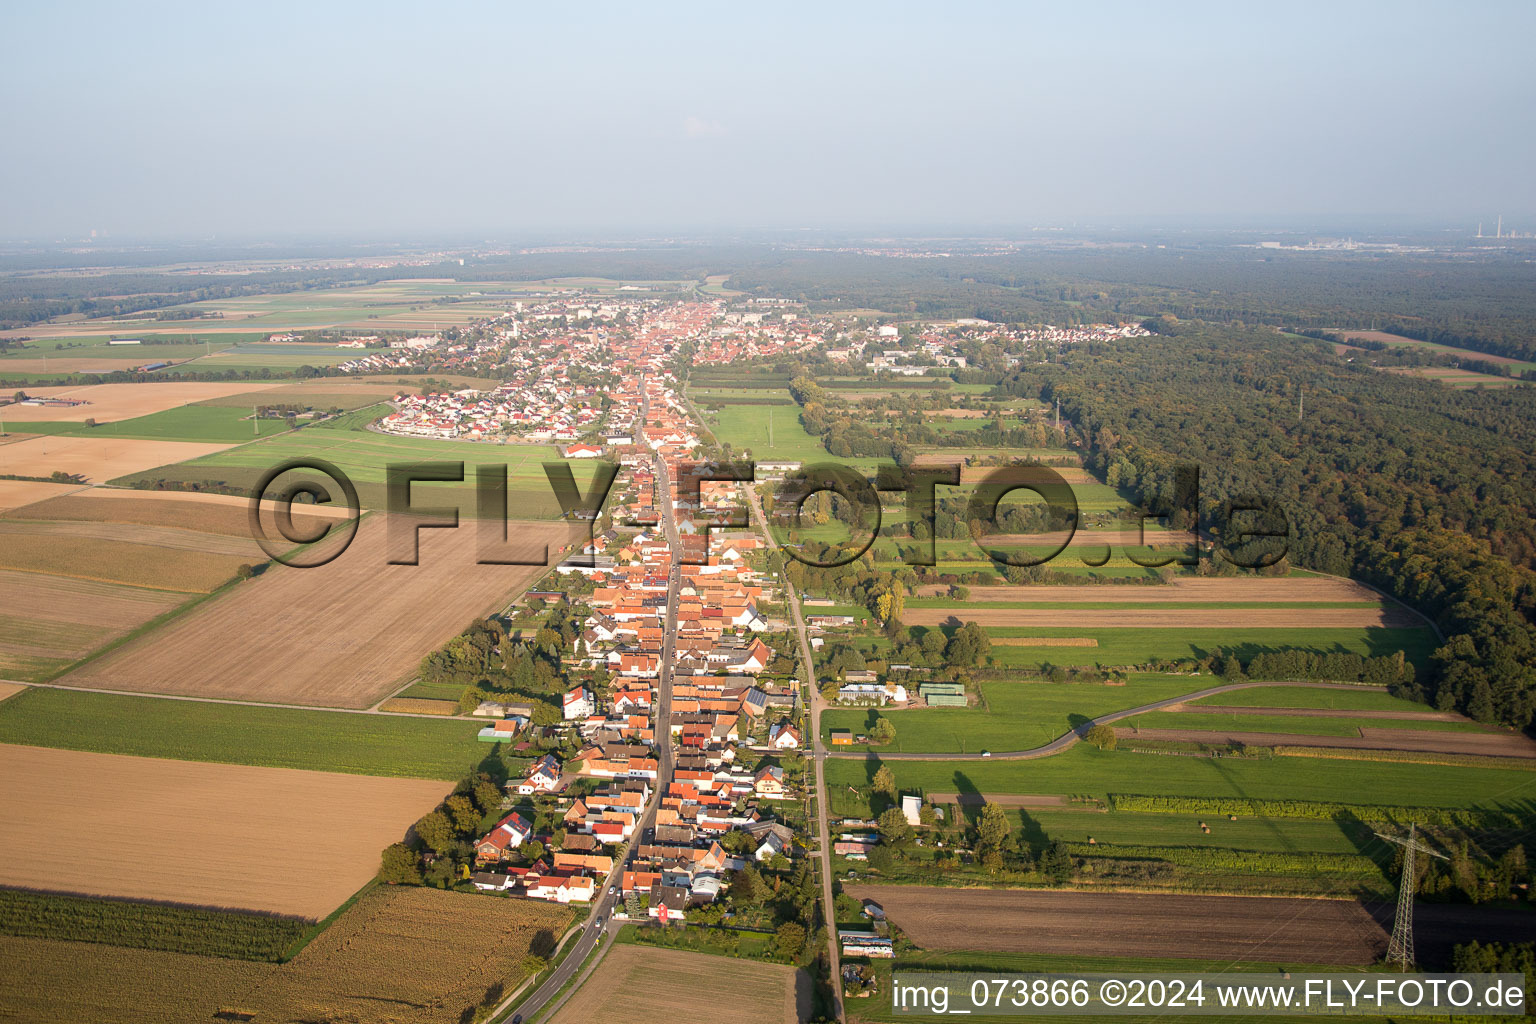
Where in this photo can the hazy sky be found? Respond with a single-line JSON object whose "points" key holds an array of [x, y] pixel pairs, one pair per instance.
{"points": [[384, 120]]}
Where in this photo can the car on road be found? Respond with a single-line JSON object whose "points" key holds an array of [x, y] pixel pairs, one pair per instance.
{"points": [[986, 753], [612, 889]]}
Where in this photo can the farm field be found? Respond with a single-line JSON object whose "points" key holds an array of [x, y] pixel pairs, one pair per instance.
{"points": [[1247, 589], [221, 424], [397, 956], [18, 493], [1290, 697], [1135, 647], [1398, 341], [111, 402], [96, 459], [1480, 744], [51, 621], [636, 983], [344, 634], [364, 456], [1337, 932], [1085, 770], [153, 557], [224, 514], [1389, 617], [157, 813], [321, 741]]}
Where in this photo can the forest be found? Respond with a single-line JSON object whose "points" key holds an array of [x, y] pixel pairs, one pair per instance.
{"points": [[1419, 489]]}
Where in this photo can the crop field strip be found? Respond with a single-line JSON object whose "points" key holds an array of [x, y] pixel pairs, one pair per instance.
{"points": [[96, 459], [155, 558], [396, 956], [344, 634], [165, 512], [365, 456], [157, 812], [111, 402], [51, 620], [1088, 771], [1337, 932], [636, 983], [323, 741]]}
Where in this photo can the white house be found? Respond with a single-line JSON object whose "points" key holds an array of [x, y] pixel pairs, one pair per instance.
{"points": [[543, 776], [783, 736], [579, 703]]}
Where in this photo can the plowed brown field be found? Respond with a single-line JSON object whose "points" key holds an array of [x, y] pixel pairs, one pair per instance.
{"points": [[343, 635], [292, 842], [1125, 925]]}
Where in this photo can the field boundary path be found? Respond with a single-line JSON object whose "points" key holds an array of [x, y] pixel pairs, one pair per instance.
{"points": [[1075, 734]]}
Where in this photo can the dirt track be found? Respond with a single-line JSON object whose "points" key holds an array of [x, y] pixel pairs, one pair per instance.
{"points": [[293, 842], [342, 635], [1125, 925], [1166, 618], [1415, 740]]}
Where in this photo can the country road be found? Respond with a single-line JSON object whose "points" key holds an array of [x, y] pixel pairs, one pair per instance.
{"points": [[1073, 735]]}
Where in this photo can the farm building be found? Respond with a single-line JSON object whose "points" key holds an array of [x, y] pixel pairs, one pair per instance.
{"points": [[943, 695], [911, 807], [842, 737]]}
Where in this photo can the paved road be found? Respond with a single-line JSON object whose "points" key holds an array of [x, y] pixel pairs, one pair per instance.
{"points": [[819, 753], [1072, 736]]}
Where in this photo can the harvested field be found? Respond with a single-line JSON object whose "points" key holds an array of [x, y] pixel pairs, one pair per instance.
{"points": [[1169, 618], [642, 983], [1124, 925], [1044, 641], [51, 621], [100, 505], [320, 832], [10, 689], [1416, 740], [96, 458], [142, 556], [345, 634], [18, 493], [1285, 590], [420, 706], [107, 403], [398, 956]]}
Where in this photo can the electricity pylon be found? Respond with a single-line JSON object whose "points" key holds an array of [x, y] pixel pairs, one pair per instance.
{"points": [[1400, 945]]}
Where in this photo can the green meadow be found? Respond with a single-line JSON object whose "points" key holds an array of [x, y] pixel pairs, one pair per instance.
{"points": [[1085, 770], [364, 457], [327, 741]]}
